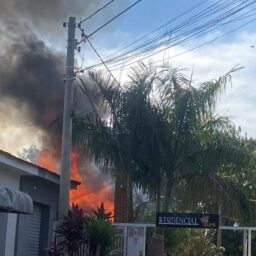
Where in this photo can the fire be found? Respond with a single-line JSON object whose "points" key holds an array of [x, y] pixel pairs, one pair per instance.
{"points": [[85, 196], [46, 160]]}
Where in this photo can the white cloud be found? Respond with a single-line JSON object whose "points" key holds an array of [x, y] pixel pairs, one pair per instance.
{"points": [[239, 101], [16, 132]]}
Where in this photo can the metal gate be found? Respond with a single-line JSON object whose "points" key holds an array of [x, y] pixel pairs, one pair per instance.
{"points": [[128, 238], [34, 228], [247, 237], [118, 247]]}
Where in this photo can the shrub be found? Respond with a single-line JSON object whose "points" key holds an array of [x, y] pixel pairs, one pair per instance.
{"points": [[80, 235], [200, 245], [101, 233]]}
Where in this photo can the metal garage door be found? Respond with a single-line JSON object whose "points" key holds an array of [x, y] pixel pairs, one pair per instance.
{"points": [[34, 228]]}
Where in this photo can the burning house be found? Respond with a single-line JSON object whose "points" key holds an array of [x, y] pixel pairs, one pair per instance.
{"points": [[38, 189], [31, 104], [34, 85]]}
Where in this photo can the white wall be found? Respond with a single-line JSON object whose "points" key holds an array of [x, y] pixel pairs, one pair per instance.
{"points": [[10, 180]]}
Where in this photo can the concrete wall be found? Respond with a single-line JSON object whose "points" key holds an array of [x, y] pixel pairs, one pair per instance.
{"points": [[9, 179], [8, 221], [44, 193]]}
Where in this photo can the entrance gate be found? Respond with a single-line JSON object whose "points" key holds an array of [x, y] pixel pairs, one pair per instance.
{"points": [[131, 233], [130, 239]]}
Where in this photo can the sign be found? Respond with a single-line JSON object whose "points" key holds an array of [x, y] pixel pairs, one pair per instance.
{"points": [[187, 220]]}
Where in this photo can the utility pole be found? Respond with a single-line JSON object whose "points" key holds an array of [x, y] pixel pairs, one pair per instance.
{"points": [[66, 147]]}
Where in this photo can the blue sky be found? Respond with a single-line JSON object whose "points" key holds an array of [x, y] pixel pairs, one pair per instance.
{"points": [[145, 17], [148, 15], [208, 62], [211, 61]]}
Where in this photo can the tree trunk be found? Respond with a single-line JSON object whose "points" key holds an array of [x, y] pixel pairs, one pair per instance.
{"points": [[130, 200], [158, 199], [123, 208], [167, 197]]}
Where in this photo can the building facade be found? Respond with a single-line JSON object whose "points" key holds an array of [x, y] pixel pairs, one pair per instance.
{"points": [[28, 234]]}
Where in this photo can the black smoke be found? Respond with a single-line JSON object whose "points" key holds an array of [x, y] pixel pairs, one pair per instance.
{"points": [[32, 70], [32, 74], [46, 16]]}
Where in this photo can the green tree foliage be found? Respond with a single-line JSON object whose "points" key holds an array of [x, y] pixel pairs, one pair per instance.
{"points": [[101, 232], [101, 214], [162, 130], [101, 236]]}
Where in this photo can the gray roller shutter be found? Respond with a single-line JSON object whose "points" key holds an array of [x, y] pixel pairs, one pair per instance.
{"points": [[34, 228]]}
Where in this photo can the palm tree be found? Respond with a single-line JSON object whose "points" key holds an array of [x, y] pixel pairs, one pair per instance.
{"points": [[130, 139], [160, 131], [201, 143]]}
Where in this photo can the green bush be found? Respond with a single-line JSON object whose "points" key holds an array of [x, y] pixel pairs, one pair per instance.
{"points": [[101, 233], [200, 246]]}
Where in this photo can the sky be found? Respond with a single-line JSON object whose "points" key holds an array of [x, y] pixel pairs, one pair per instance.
{"points": [[209, 62], [35, 29]]}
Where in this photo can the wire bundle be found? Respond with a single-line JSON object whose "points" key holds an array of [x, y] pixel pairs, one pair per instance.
{"points": [[218, 15]]}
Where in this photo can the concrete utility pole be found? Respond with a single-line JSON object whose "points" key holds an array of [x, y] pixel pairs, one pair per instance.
{"points": [[67, 123]]}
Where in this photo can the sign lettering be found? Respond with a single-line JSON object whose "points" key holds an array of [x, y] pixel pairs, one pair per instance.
{"points": [[187, 220]]}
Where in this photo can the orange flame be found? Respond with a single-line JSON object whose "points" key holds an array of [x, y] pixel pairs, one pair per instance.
{"points": [[46, 160], [86, 197]]}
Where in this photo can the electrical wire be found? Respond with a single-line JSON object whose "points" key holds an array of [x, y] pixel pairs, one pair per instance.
{"points": [[174, 19], [201, 31], [199, 46], [86, 93], [108, 22], [103, 62], [191, 33], [162, 26], [208, 11], [218, 13], [93, 14]]}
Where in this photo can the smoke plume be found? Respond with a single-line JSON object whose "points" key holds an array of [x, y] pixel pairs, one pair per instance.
{"points": [[33, 76], [32, 70]]}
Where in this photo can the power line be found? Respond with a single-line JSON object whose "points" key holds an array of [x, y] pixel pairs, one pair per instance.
{"points": [[108, 22], [100, 9], [208, 26], [162, 26], [86, 92], [175, 29], [103, 62], [187, 23], [203, 29], [198, 31], [201, 45]]}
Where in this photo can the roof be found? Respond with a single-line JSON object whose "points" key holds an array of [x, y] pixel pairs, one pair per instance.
{"points": [[27, 168]]}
